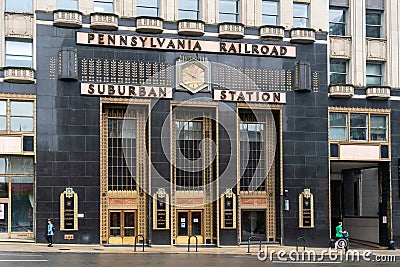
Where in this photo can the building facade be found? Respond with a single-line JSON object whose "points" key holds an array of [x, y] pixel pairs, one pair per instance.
{"points": [[224, 120]]}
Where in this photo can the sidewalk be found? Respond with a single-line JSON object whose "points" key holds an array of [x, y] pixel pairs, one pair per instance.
{"points": [[234, 250]]}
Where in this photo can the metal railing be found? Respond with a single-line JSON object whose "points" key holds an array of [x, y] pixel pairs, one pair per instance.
{"points": [[248, 242], [297, 243], [142, 240], [189, 242]]}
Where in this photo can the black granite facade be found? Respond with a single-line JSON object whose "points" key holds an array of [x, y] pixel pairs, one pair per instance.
{"points": [[68, 136]]}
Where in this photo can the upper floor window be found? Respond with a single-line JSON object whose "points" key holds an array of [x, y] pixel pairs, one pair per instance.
{"points": [[67, 4], [363, 126], [358, 127], [337, 22], [20, 114], [106, 6], [3, 115], [374, 74], [188, 9], [378, 128], [19, 6], [373, 24], [300, 15], [270, 12], [229, 11], [147, 8], [338, 72], [338, 126], [18, 53]]}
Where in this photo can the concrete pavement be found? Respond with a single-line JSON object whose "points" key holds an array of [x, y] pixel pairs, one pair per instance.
{"points": [[234, 250]]}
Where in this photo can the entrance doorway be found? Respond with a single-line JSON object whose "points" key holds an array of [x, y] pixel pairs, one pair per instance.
{"points": [[190, 223], [253, 224], [122, 228]]}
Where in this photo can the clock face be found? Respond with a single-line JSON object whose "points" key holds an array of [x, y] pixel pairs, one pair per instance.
{"points": [[193, 76]]}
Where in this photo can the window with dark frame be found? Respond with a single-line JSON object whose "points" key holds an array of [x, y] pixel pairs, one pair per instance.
{"points": [[359, 127], [270, 12], [301, 15], [374, 74], [189, 9], [252, 156], [122, 154], [338, 71], [189, 165], [229, 11], [373, 21], [18, 53], [378, 127], [337, 21], [149, 8]]}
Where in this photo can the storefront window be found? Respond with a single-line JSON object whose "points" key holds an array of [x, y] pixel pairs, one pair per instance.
{"points": [[358, 126], [338, 126], [22, 204], [253, 224], [378, 128], [3, 187]]}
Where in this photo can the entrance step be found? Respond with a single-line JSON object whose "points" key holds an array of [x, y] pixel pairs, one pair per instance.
{"points": [[193, 244]]}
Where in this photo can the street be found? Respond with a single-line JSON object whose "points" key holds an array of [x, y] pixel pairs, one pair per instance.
{"points": [[60, 259]]}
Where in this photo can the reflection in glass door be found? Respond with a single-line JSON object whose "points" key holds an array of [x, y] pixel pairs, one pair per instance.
{"points": [[3, 218], [121, 227]]}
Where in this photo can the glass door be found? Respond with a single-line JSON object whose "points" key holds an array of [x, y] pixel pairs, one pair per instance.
{"points": [[253, 224], [189, 224], [121, 227]]}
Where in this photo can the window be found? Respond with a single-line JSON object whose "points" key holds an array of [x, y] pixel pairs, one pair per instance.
{"points": [[3, 115], [67, 4], [270, 12], [252, 157], [189, 171], [19, 6], [147, 8], [300, 15], [20, 114], [188, 9], [373, 24], [338, 126], [358, 127], [374, 74], [18, 54], [16, 180], [121, 154], [338, 72], [229, 11], [337, 22], [106, 6], [378, 128]]}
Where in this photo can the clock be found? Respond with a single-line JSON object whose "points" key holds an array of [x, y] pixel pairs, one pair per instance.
{"points": [[193, 75]]}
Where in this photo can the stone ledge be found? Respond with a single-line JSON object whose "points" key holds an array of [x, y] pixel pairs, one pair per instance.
{"points": [[378, 92], [231, 30], [302, 35], [149, 24], [341, 90], [67, 18], [191, 27], [376, 49], [104, 21], [19, 75], [271, 31]]}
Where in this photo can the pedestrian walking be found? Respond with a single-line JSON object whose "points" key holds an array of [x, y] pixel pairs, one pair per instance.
{"points": [[50, 232]]}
